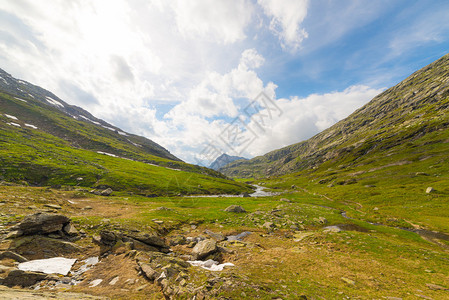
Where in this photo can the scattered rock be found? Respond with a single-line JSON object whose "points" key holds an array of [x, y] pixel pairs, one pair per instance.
{"points": [[246, 195], [216, 236], [348, 281], [106, 192], [331, 229], [42, 223], [269, 225], [320, 220], [302, 235], [12, 255], [14, 234], [95, 282], [149, 272], [53, 206], [235, 209], [204, 249], [70, 229], [285, 200], [23, 278], [430, 190], [436, 287], [114, 280]]}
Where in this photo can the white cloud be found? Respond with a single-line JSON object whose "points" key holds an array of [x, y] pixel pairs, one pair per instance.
{"points": [[286, 19], [220, 20], [302, 118]]}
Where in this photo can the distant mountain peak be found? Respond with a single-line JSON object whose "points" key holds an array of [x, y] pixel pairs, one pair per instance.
{"points": [[223, 160]]}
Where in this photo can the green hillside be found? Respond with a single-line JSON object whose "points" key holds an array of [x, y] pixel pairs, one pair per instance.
{"points": [[40, 144], [407, 122]]}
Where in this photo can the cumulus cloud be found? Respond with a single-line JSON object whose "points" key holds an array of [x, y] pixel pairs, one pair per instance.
{"points": [[301, 118], [221, 20], [286, 19]]}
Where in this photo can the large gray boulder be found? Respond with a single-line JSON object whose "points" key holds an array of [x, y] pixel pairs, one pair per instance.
{"points": [[42, 223], [204, 249], [235, 209]]}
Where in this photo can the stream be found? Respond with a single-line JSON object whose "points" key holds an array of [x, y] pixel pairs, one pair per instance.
{"points": [[259, 192]]}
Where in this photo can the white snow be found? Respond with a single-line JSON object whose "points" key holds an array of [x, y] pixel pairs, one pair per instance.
{"points": [[54, 102], [11, 117], [14, 124], [210, 264], [105, 153], [4, 80], [110, 128], [86, 118], [55, 265], [122, 133], [29, 125], [31, 95], [20, 99]]}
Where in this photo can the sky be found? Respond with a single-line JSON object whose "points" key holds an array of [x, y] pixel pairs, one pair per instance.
{"points": [[203, 77]]}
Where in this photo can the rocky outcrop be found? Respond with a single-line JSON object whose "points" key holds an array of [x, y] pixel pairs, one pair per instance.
{"points": [[42, 223], [235, 209], [204, 249]]}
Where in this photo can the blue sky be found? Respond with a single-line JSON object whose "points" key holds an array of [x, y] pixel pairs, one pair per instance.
{"points": [[182, 72]]}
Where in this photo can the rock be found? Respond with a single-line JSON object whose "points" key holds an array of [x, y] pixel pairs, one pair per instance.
{"points": [[44, 245], [430, 190], [204, 248], [23, 278], [137, 245], [293, 187], [320, 220], [106, 192], [95, 282], [53, 206], [108, 238], [149, 272], [14, 234], [114, 280], [285, 200], [269, 225], [149, 239], [330, 185], [42, 223], [70, 229], [332, 229], [235, 209], [13, 255], [436, 287], [302, 235], [216, 236], [246, 195], [348, 281], [178, 240]]}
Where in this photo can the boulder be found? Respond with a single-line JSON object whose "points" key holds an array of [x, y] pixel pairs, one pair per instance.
{"points": [[216, 236], [106, 192], [430, 190], [70, 229], [42, 223], [12, 255], [108, 238], [23, 278], [149, 272], [149, 239], [235, 209], [204, 248]]}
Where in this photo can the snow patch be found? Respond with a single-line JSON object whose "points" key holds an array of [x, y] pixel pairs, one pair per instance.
{"points": [[86, 118], [4, 80], [54, 102], [122, 133], [21, 99], [210, 264], [31, 126], [31, 95], [55, 265], [105, 153], [110, 128], [14, 124], [11, 117]]}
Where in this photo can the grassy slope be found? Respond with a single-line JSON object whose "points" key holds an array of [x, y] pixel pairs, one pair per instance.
{"points": [[40, 158], [412, 114]]}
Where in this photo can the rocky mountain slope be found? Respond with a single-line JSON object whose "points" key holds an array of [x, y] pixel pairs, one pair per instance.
{"points": [[223, 160], [45, 141], [414, 111], [47, 101]]}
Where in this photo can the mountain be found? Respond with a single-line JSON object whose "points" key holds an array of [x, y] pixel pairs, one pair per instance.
{"points": [[45, 141], [400, 124], [223, 160], [39, 96]]}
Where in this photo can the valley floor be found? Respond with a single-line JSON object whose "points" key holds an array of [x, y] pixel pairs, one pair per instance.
{"points": [[302, 245]]}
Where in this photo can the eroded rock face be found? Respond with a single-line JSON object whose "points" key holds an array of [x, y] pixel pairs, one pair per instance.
{"points": [[42, 223], [204, 248], [23, 278]]}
